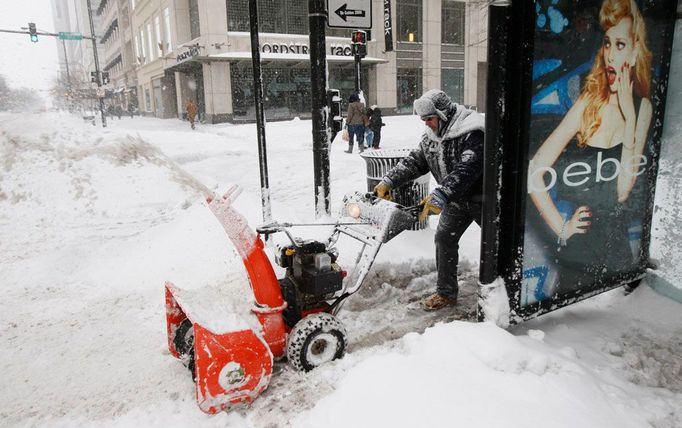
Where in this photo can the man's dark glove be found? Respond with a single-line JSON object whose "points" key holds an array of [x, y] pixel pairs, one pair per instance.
{"points": [[432, 204], [383, 191]]}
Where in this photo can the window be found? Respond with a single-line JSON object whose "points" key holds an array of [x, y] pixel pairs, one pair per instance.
{"points": [[274, 16], [453, 22], [132, 4], [286, 90], [166, 24], [159, 40], [194, 28], [143, 47], [137, 49], [409, 25], [452, 83], [409, 88], [150, 41]]}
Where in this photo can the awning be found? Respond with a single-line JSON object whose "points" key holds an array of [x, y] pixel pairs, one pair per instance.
{"points": [[291, 57], [189, 65], [266, 57]]}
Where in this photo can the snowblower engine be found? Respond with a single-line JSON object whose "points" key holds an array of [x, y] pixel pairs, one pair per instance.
{"points": [[312, 277]]}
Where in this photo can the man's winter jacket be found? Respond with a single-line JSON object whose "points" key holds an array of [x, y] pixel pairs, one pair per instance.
{"points": [[456, 161], [356, 113]]}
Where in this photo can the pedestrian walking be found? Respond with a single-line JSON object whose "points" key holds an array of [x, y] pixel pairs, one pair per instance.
{"points": [[191, 110]]}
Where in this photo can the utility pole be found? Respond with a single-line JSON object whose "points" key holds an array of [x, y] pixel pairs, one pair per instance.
{"points": [[99, 75]]}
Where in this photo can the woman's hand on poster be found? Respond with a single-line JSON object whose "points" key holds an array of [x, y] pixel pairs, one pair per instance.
{"points": [[579, 223], [625, 100]]}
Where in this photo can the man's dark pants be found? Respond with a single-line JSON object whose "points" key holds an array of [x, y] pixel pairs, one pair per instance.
{"points": [[454, 221]]}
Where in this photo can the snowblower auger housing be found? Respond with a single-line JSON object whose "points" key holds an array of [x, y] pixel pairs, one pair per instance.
{"points": [[230, 351]]}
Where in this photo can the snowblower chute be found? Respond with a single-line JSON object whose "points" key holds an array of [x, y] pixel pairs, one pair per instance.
{"points": [[230, 349]]}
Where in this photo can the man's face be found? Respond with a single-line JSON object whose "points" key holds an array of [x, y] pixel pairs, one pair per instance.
{"points": [[432, 122]]}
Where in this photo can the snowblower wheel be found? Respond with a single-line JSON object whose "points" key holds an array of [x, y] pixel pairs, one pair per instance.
{"points": [[184, 344], [315, 340]]}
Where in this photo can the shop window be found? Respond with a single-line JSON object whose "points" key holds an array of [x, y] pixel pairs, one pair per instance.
{"points": [[409, 22], [409, 88], [194, 29], [453, 22], [343, 79], [286, 90], [452, 83]]}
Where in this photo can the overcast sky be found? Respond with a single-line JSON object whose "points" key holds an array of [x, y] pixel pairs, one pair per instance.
{"points": [[32, 65]]}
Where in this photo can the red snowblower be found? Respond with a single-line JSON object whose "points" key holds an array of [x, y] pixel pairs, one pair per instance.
{"points": [[230, 347]]}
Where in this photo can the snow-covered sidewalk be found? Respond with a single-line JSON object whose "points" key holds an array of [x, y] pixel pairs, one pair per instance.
{"points": [[93, 221]]}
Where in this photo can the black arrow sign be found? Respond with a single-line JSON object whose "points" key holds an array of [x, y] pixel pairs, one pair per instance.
{"points": [[343, 12]]}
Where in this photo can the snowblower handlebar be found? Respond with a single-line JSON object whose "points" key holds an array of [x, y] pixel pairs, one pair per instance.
{"points": [[413, 210]]}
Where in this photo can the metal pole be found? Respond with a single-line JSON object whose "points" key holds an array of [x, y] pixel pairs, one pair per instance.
{"points": [[357, 73], [66, 59], [68, 77], [496, 108], [94, 52], [260, 113], [317, 16]]}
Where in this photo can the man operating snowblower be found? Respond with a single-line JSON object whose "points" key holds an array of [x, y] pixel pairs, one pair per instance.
{"points": [[451, 148]]}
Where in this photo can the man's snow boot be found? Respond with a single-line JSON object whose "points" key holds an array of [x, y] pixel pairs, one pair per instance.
{"points": [[436, 301], [350, 149]]}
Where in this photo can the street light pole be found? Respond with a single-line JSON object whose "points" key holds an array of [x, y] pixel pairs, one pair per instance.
{"points": [[99, 75], [66, 60], [317, 19], [68, 77]]}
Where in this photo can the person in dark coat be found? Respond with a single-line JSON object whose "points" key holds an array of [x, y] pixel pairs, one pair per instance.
{"points": [[375, 124], [119, 111], [451, 148]]}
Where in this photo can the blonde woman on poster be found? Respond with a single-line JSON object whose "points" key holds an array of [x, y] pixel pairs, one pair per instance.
{"points": [[601, 140]]}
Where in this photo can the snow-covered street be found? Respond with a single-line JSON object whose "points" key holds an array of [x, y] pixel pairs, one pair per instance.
{"points": [[93, 221]]}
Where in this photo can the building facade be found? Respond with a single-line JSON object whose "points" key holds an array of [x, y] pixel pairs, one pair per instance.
{"points": [[201, 50], [116, 40]]}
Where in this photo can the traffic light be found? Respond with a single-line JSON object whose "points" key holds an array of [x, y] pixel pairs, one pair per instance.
{"points": [[93, 76], [359, 43], [105, 78], [33, 32], [334, 119]]}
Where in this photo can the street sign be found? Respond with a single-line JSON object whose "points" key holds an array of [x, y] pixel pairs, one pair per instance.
{"points": [[64, 35], [349, 14]]}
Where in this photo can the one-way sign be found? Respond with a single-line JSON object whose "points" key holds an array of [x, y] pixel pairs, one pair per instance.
{"points": [[349, 14]]}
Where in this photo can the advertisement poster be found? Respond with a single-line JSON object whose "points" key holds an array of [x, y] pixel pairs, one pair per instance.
{"points": [[599, 78]]}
